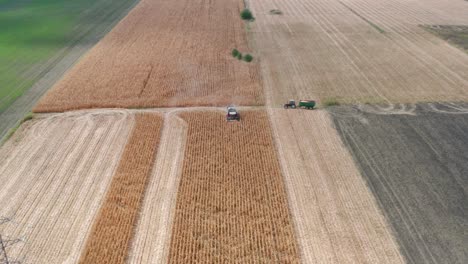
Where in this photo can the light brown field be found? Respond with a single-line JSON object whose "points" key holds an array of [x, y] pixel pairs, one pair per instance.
{"points": [[164, 53], [336, 216], [54, 173], [324, 49], [231, 203], [109, 241], [152, 237]]}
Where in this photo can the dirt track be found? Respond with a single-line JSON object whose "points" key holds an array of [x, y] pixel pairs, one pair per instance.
{"points": [[164, 53], [336, 216], [152, 237], [357, 51], [416, 166], [54, 173]]}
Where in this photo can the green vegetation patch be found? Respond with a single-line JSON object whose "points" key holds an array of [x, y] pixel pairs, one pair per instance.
{"points": [[12, 131], [246, 14], [457, 35], [32, 32], [332, 101]]}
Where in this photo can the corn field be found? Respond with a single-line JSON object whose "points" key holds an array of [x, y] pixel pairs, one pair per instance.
{"points": [[179, 57], [231, 205]]}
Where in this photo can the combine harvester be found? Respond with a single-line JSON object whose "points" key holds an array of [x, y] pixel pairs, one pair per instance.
{"points": [[232, 114]]}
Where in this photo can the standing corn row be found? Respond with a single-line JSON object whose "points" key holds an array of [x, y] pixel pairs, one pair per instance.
{"points": [[231, 204]]}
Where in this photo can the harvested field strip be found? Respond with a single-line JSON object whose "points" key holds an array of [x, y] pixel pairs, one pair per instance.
{"points": [[416, 165], [152, 237], [336, 215], [54, 173], [110, 238], [321, 49], [231, 204], [180, 57]]}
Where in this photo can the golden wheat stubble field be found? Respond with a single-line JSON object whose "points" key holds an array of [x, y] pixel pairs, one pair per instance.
{"points": [[164, 53], [358, 51], [113, 229], [231, 204], [54, 173]]}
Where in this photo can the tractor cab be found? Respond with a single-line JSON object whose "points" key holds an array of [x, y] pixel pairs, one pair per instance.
{"points": [[290, 104]]}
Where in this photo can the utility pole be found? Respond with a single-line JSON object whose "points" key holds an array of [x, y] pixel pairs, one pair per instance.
{"points": [[3, 253]]}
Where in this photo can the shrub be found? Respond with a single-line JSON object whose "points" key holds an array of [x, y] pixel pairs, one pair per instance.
{"points": [[248, 58], [246, 14], [235, 52], [330, 102], [239, 56]]}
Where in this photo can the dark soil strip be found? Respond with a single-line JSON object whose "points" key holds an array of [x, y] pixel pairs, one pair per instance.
{"points": [[113, 228], [417, 167]]}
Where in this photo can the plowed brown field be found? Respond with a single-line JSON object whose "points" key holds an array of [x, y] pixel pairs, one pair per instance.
{"points": [[113, 229], [164, 53], [337, 217], [358, 51], [54, 173], [231, 204]]}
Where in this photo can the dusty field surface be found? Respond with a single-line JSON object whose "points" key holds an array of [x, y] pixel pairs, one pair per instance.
{"points": [[179, 57], [91, 26], [231, 203], [152, 237], [416, 165], [54, 173], [336, 216], [113, 229], [357, 51]]}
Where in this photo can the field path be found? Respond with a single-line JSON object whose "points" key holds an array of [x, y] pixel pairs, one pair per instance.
{"points": [[151, 241], [54, 173]]}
